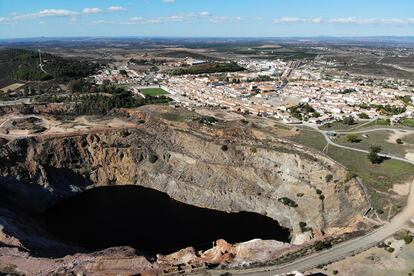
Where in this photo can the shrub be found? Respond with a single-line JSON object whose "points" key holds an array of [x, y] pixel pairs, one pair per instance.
{"points": [[390, 249], [408, 239], [300, 194], [153, 158], [302, 226], [328, 177], [363, 116], [353, 138], [322, 197], [253, 150], [320, 245], [319, 192], [348, 120], [224, 148], [207, 120], [373, 155], [288, 202], [335, 272], [399, 141]]}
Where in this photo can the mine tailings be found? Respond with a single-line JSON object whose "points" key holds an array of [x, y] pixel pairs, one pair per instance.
{"points": [[151, 222]]}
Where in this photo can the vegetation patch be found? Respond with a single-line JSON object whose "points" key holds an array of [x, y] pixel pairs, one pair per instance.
{"points": [[207, 68], [153, 92], [224, 148], [379, 178], [24, 65], [288, 202], [152, 158], [310, 138], [408, 122], [379, 138]]}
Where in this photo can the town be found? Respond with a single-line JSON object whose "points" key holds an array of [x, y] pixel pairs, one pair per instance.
{"points": [[272, 88]]}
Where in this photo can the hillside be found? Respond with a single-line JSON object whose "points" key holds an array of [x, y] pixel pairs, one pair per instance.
{"points": [[19, 64]]}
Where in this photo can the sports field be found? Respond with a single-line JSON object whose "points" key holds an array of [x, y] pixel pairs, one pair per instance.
{"points": [[153, 91]]}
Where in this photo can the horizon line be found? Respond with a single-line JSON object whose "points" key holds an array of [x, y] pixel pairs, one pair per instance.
{"points": [[220, 37]]}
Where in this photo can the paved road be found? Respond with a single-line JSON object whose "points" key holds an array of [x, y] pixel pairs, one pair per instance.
{"points": [[342, 250], [347, 248]]}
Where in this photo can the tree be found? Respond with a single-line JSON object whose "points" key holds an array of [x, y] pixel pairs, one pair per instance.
{"points": [[303, 226], [316, 114], [224, 147], [407, 238], [373, 155], [349, 120], [153, 158], [353, 138], [320, 245], [328, 177], [363, 116]]}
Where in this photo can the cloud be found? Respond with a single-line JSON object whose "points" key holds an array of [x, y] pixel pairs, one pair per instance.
{"points": [[169, 1], [371, 21], [61, 13], [289, 20], [4, 20], [176, 18], [131, 21], [116, 8], [344, 20], [46, 13], [92, 10]]}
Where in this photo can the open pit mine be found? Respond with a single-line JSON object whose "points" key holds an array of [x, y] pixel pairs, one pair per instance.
{"points": [[143, 193]]}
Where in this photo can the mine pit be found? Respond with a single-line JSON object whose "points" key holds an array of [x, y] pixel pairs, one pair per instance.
{"points": [[151, 222]]}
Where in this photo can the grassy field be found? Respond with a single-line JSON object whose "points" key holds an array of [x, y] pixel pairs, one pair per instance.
{"points": [[377, 138], [175, 117], [153, 91], [409, 139], [310, 138], [379, 123], [408, 122], [378, 178], [339, 126]]}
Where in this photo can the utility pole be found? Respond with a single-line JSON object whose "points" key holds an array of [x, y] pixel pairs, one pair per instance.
{"points": [[40, 57]]}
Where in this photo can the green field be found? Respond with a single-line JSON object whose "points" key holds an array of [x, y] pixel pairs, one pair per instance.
{"points": [[408, 122], [377, 138], [378, 178], [339, 126], [310, 138], [153, 92]]}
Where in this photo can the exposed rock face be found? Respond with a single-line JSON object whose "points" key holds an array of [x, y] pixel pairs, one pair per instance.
{"points": [[252, 173]]}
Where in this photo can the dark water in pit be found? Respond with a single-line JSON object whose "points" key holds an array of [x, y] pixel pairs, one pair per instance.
{"points": [[151, 222]]}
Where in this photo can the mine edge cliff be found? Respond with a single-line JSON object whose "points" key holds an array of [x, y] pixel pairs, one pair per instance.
{"points": [[230, 169]]}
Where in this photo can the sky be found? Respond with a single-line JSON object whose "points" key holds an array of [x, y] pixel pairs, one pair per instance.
{"points": [[206, 18]]}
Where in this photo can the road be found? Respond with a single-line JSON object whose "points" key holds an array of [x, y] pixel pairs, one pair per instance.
{"points": [[347, 248], [408, 131], [330, 142]]}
